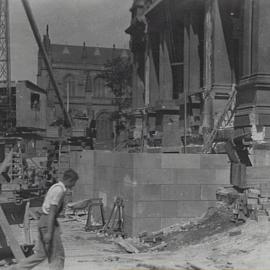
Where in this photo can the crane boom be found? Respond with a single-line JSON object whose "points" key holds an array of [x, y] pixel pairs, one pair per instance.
{"points": [[34, 27]]}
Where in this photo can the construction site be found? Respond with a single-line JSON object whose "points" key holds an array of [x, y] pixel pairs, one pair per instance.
{"points": [[168, 142]]}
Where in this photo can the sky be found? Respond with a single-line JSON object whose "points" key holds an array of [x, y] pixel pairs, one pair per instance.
{"points": [[97, 22]]}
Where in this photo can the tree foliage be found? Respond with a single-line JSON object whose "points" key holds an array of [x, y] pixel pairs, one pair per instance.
{"points": [[117, 75]]}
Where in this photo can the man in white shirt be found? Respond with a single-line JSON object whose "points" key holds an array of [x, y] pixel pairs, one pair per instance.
{"points": [[50, 244]]}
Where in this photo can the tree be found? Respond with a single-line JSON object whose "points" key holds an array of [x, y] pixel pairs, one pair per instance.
{"points": [[117, 75]]}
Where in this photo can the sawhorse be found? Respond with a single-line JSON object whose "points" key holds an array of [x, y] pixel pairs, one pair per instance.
{"points": [[89, 223], [6, 231], [115, 223]]}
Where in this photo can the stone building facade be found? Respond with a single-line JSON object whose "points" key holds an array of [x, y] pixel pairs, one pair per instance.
{"points": [[87, 99], [190, 57]]}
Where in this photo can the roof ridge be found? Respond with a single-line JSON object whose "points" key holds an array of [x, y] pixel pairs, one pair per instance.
{"points": [[91, 47]]}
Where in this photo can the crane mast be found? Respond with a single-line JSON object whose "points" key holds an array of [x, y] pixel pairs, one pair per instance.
{"points": [[5, 73]]}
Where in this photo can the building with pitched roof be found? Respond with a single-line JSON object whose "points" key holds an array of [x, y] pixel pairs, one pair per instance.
{"points": [[88, 100]]}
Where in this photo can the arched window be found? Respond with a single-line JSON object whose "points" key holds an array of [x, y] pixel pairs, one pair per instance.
{"points": [[99, 87], [69, 86], [88, 83], [104, 127]]}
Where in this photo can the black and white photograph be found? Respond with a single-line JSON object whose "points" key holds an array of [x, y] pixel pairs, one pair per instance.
{"points": [[134, 134]]}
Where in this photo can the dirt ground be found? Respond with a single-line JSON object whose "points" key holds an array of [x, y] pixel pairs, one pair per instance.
{"points": [[218, 244]]}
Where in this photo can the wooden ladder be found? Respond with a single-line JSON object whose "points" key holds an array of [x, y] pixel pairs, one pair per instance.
{"points": [[16, 169], [222, 122]]}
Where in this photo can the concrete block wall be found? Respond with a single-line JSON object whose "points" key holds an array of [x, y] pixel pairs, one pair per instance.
{"points": [[158, 189], [258, 176], [172, 188], [83, 163]]}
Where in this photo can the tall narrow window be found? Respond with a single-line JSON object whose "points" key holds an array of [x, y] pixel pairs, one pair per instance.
{"points": [[69, 86], [175, 41], [99, 87], [35, 102], [155, 47]]}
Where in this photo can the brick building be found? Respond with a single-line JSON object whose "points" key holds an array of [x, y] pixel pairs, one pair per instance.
{"points": [[189, 56], [85, 95]]}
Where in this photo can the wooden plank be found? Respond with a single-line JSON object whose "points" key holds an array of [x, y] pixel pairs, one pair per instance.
{"points": [[3, 240], [26, 223], [126, 245], [13, 243]]}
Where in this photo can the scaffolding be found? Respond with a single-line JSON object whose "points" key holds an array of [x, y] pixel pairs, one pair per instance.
{"points": [[5, 74]]}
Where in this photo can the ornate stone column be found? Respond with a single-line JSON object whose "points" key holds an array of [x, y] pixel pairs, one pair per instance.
{"points": [[253, 111]]}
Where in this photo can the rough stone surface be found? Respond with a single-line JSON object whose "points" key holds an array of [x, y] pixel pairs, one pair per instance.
{"points": [[158, 189]]}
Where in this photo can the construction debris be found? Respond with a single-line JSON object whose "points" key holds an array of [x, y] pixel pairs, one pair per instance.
{"points": [[159, 247], [246, 203], [193, 266], [235, 232], [79, 205], [153, 267], [126, 245], [152, 238]]}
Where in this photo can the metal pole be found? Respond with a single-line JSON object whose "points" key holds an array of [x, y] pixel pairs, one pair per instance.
{"points": [[186, 89], [68, 84], [9, 90], [207, 106], [185, 120], [34, 27]]}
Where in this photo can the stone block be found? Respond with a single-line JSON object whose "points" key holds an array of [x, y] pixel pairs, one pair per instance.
{"points": [[258, 173], [181, 192], [187, 209], [265, 189], [146, 224], [256, 183], [261, 158], [154, 176], [121, 174], [128, 225], [215, 161], [148, 209], [74, 157], [222, 177], [127, 193], [169, 209], [184, 161], [103, 173], [86, 174], [122, 160], [87, 157], [147, 192], [195, 176], [147, 160], [88, 191], [208, 192], [129, 207], [103, 158], [81, 192]]}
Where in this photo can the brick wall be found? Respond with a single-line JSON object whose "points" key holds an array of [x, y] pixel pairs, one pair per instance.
{"points": [[158, 189]]}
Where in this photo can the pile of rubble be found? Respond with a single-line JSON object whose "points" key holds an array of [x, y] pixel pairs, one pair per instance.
{"points": [[246, 203], [216, 220], [234, 206]]}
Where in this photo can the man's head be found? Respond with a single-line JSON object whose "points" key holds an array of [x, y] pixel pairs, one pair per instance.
{"points": [[70, 178]]}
